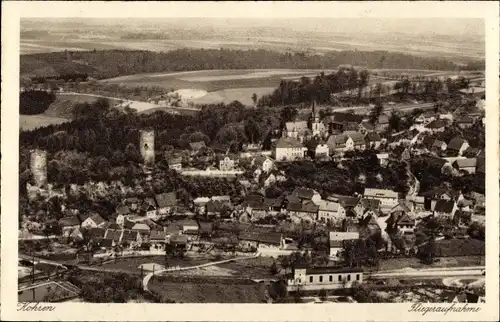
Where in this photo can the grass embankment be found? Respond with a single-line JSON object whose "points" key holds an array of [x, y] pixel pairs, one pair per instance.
{"points": [[207, 289]]}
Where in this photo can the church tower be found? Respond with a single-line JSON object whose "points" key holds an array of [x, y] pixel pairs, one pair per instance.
{"points": [[316, 125]]}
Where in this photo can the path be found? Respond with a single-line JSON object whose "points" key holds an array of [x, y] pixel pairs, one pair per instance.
{"points": [[130, 101], [146, 279], [430, 272], [37, 260]]}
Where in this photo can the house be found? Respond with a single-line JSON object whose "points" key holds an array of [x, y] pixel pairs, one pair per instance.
{"points": [[358, 140], [383, 159], [200, 203], [226, 164], [404, 223], [131, 238], [96, 233], [114, 235], [388, 198], [306, 194], [438, 146], [175, 163], [462, 218], [382, 123], [328, 278], [93, 221], [157, 239], [330, 211], [122, 212], [257, 209], [339, 143], [465, 122], [467, 165], [214, 208], [337, 239], [289, 149], [197, 146], [189, 225], [371, 207], [373, 140], [206, 229], [132, 202], [445, 208], [141, 228], [426, 117], [255, 239], [148, 208], [69, 225], [365, 127], [437, 125], [339, 120], [457, 146], [166, 202], [306, 211], [297, 130], [321, 151], [264, 163]]}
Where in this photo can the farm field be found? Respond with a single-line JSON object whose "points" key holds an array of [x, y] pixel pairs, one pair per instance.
{"points": [[230, 85], [58, 112], [132, 264], [221, 85], [315, 44], [213, 80], [31, 122], [458, 261]]}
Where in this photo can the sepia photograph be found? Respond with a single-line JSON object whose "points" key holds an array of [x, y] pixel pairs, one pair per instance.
{"points": [[252, 159]]}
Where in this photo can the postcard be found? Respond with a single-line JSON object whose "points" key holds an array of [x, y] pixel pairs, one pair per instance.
{"points": [[250, 161]]}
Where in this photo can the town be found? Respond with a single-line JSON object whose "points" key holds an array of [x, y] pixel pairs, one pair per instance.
{"points": [[352, 185]]}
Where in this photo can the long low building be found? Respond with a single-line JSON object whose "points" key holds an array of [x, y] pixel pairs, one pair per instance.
{"points": [[328, 278]]}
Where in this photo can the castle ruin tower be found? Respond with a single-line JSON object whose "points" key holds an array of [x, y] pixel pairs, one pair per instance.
{"points": [[147, 146], [38, 166]]}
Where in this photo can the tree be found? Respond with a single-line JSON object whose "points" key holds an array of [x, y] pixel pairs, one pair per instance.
{"points": [[376, 112], [288, 114], [323, 294], [395, 122], [252, 130], [254, 99], [273, 269], [284, 262], [427, 252], [131, 153]]}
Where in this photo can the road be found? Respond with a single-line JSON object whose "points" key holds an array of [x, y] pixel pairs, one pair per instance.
{"points": [[475, 271], [146, 279], [40, 260]]}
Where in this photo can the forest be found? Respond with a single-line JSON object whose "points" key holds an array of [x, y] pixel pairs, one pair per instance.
{"points": [[33, 102], [113, 63]]}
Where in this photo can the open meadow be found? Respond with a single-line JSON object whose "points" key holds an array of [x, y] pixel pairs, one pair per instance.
{"points": [[58, 112]]}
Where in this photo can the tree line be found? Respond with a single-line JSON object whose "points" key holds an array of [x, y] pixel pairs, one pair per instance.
{"points": [[99, 129], [113, 63], [319, 89]]}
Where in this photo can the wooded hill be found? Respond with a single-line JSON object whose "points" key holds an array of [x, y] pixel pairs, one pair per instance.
{"points": [[113, 63]]}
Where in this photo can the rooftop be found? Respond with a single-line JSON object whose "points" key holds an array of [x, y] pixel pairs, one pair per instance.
{"points": [[288, 143]]}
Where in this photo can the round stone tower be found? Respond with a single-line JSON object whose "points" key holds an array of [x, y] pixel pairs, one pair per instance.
{"points": [[38, 165], [147, 146]]}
